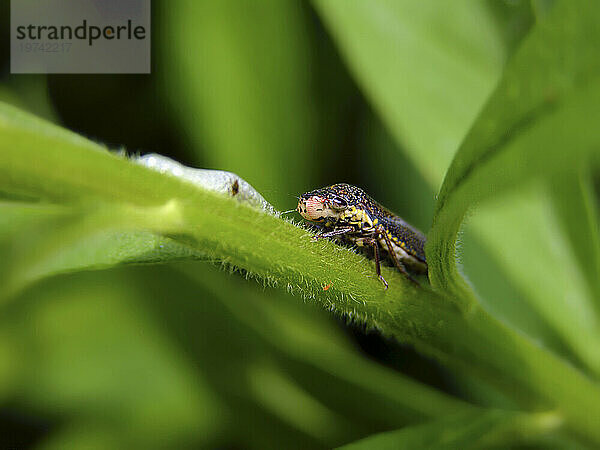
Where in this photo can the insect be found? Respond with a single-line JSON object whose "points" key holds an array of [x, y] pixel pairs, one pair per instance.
{"points": [[347, 211]]}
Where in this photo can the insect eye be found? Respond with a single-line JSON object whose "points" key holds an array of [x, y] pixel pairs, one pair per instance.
{"points": [[338, 203]]}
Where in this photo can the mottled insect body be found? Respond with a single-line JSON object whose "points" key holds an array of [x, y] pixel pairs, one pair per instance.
{"points": [[345, 210]]}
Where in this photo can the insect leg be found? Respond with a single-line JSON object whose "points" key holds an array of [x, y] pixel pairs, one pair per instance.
{"points": [[373, 242], [398, 264], [336, 232]]}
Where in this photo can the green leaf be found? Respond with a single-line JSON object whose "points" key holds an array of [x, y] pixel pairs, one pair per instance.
{"points": [[81, 435], [29, 93], [90, 348], [541, 108], [497, 429], [536, 255], [44, 240], [575, 206], [427, 70], [491, 277]]}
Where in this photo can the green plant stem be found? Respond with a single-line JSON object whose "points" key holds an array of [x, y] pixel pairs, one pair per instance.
{"points": [[47, 162]]}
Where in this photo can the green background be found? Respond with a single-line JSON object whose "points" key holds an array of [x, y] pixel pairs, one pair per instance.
{"points": [[292, 96]]}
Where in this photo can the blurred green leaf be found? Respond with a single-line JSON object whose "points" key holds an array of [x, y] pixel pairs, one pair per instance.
{"points": [[426, 69], [543, 101], [286, 350], [40, 240], [577, 212], [29, 92], [539, 109], [490, 429], [498, 293], [227, 352], [536, 256], [11, 365], [239, 79], [277, 392], [288, 327], [82, 435], [399, 184], [92, 353]]}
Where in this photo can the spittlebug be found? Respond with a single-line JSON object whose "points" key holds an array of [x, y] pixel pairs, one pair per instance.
{"points": [[347, 211]]}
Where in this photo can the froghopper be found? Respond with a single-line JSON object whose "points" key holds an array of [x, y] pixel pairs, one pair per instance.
{"points": [[347, 211]]}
